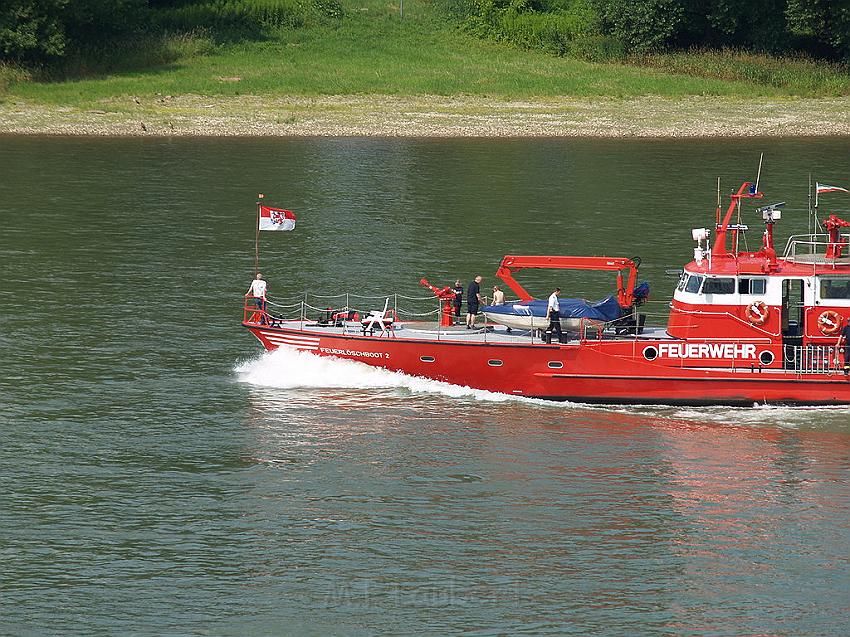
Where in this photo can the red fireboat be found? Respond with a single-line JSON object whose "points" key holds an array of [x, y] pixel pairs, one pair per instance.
{"points": [[744, 328]]}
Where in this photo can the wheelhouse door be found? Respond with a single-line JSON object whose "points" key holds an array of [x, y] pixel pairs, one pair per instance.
{"points": [[793, 317]]}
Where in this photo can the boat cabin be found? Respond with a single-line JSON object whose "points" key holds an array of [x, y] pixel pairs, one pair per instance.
{"points": [[800, 299]]}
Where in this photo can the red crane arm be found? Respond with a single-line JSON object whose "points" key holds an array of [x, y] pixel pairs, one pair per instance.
{"points": [[512, 264]]}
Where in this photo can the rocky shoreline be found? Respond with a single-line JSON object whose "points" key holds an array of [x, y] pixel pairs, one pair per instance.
{"points": [[431, 116]]}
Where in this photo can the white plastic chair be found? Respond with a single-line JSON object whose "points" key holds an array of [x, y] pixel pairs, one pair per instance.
{"points": [[383, 319]]}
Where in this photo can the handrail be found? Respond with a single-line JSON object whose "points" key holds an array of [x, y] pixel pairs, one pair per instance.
{"points": [[812, 359], [252, 312], [813, 242]]}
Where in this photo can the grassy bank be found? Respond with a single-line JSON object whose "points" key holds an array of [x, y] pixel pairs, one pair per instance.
{"points": [[370, 50]]}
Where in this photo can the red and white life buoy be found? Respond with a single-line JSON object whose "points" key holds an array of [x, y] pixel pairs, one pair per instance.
{"points": [[757, 313], [829, 322]]}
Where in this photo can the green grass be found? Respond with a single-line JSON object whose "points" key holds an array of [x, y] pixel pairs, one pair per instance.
{"points": [[370, 49], [800, 75], [12, 76]]}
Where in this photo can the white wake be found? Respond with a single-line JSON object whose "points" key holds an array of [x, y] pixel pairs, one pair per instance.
{"points": [[287, 368]]}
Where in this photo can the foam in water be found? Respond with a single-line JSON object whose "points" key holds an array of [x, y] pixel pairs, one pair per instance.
{"points": [[287, 368]]}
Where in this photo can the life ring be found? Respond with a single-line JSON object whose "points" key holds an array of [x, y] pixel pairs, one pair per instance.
{"points": [[829, 322], [757, 313]]}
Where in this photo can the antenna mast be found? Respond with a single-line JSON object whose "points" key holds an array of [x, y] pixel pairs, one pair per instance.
{"points": [[719, 204], [810, 203]]}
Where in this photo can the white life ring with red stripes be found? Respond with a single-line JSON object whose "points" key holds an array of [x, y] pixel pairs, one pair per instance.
{"points": [[757, 313], [829, 322]]}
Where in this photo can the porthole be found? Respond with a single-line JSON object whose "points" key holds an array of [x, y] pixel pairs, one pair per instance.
{"points": [[427, 359], [495, 362], [766, 357], [650, 353], [556, 364]]}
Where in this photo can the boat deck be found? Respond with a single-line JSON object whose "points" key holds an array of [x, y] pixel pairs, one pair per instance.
{"points": [[420, 330]]}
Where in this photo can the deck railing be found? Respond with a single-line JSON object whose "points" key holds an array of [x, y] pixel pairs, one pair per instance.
{"points": [[812, 248], [428, 309], [812, 359]]}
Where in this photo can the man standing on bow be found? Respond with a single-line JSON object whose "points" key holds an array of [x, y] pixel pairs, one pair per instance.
{"points": [[257, 290]]}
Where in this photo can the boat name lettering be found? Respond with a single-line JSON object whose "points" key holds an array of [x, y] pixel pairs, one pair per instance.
{"points": [[706, 350], [351, 352]]}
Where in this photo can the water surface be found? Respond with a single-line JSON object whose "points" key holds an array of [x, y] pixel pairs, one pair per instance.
{"points": [[162, 476]]}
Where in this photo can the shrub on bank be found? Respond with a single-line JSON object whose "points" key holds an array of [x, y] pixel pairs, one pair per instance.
{"points": [[600, 29], [239, 19], [146, 51], [799, 73], [61, 33]]}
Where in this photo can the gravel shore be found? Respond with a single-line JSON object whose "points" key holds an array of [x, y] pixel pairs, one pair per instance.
{"points": [[432, 116]]}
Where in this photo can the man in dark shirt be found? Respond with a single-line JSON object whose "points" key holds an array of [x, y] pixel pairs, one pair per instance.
{"points": [[473, 301], [458, 300], [844, 340]]}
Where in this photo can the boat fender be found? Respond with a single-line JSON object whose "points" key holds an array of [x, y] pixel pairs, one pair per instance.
{"points": [[829, 322], [757, 313]]}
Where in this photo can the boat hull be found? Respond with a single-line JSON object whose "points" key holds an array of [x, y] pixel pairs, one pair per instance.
{"points": [[589, 372]]}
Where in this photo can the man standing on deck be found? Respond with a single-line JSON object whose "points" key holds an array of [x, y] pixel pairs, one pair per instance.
{"points": [[473, 301], [458, 300], [844, 339], [552, 310], [257, 290]]}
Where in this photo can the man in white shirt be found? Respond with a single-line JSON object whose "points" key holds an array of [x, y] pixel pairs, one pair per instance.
{"points": [[552, 314], [257, 290]]}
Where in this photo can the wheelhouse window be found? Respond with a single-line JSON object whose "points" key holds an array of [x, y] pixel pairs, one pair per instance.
{"points": [[752, 286], [722, 285], [693, 284], [682, 281], [835, 288]]}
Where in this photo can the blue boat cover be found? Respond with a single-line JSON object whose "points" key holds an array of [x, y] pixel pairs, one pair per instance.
{"points": [[642, 291], [608, 309]]}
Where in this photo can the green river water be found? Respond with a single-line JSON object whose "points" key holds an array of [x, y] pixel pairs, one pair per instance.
{"points": [[162, 476]]}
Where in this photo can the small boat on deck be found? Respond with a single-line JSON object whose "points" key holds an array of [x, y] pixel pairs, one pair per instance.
{"points": [[743, 327], [532, 314]]}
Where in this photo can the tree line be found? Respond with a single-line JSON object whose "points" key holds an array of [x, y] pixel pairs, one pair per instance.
{"points": [[45, 31], [616, 28]]}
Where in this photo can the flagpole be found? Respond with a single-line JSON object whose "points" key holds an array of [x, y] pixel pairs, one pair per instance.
{"points": [[257, 237]]}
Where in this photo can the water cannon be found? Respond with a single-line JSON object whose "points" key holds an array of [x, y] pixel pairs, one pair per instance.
{"points": [[771, 213], [837, 243], [445, 293], [446, 296]]}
